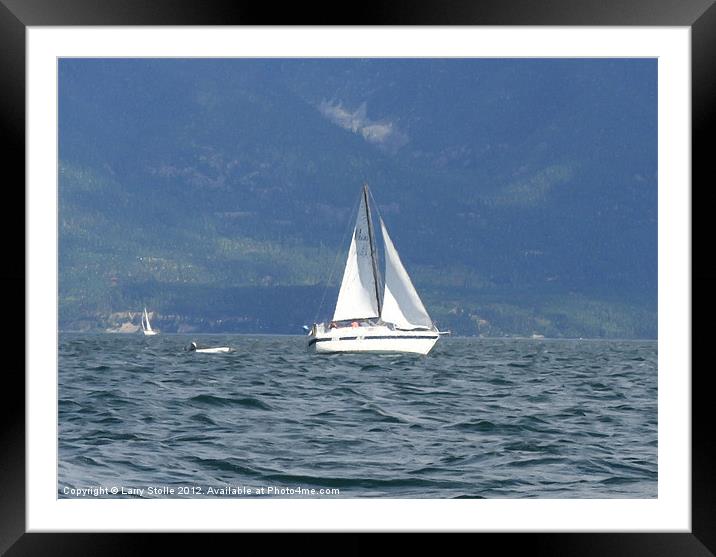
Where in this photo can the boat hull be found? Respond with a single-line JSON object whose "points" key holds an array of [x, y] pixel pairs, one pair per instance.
{"points": [[373, 340]]}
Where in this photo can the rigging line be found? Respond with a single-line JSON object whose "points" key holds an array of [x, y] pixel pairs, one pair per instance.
{"points": [[351, 220], [375, 204], [380, 219], [371, 238]]}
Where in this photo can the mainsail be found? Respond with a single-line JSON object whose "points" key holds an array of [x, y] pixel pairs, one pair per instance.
{"points": [[145, 321], [358, 296], [401, 304]]}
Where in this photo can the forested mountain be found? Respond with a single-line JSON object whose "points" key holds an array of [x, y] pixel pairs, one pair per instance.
{"points": [[521, 193]]}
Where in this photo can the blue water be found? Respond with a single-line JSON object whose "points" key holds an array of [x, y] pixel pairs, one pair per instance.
{"points": [[475, 418]]}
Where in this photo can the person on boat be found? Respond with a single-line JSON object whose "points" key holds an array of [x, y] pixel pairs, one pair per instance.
{"points": [[355, 324], [332, 325]]}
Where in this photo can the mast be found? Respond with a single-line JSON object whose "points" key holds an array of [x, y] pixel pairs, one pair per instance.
{"points": [[371, 240]]}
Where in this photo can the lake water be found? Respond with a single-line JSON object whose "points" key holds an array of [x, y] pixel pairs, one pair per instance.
{"points": [[476, 418]]}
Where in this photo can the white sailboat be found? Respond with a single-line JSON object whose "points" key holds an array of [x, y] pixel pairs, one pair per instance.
{"points": [[373, 315], [146, 325]]}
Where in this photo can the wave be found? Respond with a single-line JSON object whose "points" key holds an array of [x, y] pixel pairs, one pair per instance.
{"points": [[478, 418], [213, 400]]}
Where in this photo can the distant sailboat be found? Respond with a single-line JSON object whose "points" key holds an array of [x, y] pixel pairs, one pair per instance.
{"points": [[369, 318], [146, 325]]}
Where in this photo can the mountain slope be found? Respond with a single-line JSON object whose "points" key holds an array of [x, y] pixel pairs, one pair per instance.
{"points": [[524, 184]]}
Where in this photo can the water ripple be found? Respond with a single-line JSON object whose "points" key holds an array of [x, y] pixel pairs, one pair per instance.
{"points": [[476, 418]]}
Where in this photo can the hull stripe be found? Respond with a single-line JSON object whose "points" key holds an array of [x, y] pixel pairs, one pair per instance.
{"points": [[371, 337]]}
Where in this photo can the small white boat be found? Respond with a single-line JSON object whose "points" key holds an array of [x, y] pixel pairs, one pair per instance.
{"points": [[147, 326], [373, 315], [216, 350]]}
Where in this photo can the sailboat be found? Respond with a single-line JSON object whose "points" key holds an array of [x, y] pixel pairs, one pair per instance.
{"points": [[146, 325], [374, 315]]}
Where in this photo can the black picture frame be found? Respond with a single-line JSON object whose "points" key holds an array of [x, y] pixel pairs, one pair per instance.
{"points": [[17, 15]]}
